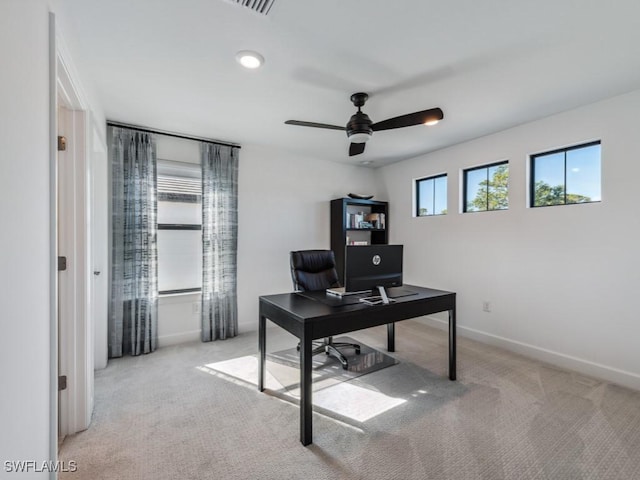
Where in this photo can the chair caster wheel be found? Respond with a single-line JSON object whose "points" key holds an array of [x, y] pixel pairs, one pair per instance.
{"points": [[357, 350]]}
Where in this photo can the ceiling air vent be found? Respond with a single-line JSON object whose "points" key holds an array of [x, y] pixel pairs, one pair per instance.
{"points": [[259, 6]]}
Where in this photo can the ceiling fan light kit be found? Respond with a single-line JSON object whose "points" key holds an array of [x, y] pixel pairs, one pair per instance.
{"points": [[359, 137], [360, 128]]}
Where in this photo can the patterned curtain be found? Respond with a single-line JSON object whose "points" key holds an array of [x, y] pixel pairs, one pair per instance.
{"points": [[133, 305], [219, 241]]}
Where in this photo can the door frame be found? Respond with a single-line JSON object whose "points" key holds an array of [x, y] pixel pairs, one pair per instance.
{"points": [[72, 333]]}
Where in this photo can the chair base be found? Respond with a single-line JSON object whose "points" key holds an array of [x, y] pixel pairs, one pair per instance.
{"points": [[329, 348]]}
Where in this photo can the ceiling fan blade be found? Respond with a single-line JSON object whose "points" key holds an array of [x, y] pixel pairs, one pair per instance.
{"points": [[356, 149], [409, 119], [315, 125]]}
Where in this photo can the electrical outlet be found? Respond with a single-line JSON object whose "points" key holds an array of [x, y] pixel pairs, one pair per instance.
{"points": [[195, 308], [486, 306]]}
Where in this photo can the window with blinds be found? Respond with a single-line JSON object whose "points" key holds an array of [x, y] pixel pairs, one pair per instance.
{"points": [[172, 188], [179, 230]]}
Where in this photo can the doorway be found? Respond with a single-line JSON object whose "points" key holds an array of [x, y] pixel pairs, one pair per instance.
{"points": [[81, 221]]}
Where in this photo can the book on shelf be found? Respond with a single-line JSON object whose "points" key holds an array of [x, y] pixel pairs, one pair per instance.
{"points": [[358, 242], [353, 220]]}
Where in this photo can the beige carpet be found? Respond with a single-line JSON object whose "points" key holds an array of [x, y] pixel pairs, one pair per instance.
{"points": [[193, 412]]}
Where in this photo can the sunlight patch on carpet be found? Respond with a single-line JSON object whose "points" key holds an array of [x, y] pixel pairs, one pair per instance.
{"points": [[330, 393]]}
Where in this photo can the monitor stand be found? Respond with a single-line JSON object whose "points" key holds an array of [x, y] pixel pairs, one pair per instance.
{"points": [[382, 299], [383, 294]]}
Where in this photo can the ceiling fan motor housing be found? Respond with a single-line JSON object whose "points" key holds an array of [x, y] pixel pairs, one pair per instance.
{"points": [[359, 128]]}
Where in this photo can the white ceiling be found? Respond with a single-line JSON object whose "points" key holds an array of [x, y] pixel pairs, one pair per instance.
{"points": [[490, 65]]}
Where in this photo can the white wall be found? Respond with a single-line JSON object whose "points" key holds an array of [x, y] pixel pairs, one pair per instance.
{"points": [[178, 319], [283, 206], [563, 281], [24, 241]]}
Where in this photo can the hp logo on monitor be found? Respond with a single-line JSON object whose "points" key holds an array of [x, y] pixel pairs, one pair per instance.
{"points": [[376, 259]]}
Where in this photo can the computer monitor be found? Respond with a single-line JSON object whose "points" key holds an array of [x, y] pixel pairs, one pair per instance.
{"points": [[373, 267]]}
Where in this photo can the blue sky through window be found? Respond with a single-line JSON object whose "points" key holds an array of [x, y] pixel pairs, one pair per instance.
{"points": [[440, 195], [549, 169], [474, 178], [575, 171], [432, 196], [583, 172]]}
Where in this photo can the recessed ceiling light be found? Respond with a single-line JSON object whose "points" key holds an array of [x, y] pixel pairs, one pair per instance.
{"points": [[431, 123], [249, 59]]}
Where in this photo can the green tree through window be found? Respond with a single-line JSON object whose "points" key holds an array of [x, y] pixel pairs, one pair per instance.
{"points": [[546, 195], [493, 193], [566, 176], [487, 188]]}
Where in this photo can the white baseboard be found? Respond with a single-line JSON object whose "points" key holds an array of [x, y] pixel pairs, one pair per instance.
{"points": [[176, 338], [585, 367]]}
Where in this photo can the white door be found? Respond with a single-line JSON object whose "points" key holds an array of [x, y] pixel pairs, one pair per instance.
{"points": [[75, 329]]}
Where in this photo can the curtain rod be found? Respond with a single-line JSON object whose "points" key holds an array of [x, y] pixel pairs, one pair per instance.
{"points": [[170, 134]]}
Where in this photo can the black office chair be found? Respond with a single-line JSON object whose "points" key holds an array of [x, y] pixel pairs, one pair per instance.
{"points": [[316, 270]]}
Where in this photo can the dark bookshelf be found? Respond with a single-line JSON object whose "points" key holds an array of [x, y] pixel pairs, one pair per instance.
{"points": [[340, 207]]}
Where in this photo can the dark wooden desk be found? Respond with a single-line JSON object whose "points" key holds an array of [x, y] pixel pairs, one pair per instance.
{"points": [[310, 318]]}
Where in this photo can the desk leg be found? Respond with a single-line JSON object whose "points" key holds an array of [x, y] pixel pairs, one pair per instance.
{"points": [[306, 408], [262, 354], [391, 337], [452, 344]]}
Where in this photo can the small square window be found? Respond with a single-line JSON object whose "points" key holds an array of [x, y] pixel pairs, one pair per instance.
{"points": [[566, 176], [431, 196], [486, 188]]}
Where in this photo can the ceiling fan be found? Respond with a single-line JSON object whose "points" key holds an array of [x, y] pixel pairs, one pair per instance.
{"points": [[360, 127]]}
